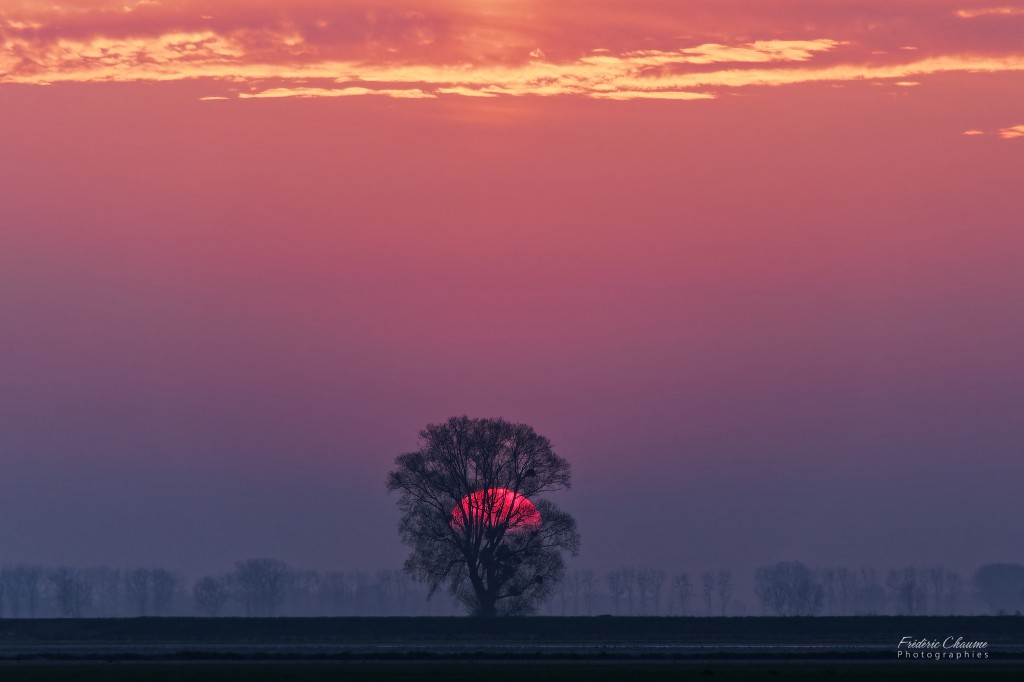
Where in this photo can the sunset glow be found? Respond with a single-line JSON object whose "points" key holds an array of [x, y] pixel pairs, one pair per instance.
{"points": [[741, 261], [450, 48], [496, 507]]}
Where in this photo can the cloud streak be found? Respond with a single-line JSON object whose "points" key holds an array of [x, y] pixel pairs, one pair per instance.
{"points": [[406, 93], [990, 12], [1012, 133], [1008, 133], [424, 50]]}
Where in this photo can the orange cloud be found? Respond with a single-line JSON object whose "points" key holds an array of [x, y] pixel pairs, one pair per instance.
{"points": [[1012, 132], [410, 93], [990, 12], [609, 49]]}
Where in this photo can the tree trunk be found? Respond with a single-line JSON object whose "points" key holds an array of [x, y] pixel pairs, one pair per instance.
{"points": [[487, 608]]}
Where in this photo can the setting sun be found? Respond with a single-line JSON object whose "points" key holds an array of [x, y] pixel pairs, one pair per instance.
{"points": [[497, 507]]}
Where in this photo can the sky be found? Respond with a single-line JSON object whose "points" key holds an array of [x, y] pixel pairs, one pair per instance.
{"points": [[753, 266]]}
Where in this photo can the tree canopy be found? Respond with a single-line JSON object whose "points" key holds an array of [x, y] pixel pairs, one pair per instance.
{"points": [[471, 512]]}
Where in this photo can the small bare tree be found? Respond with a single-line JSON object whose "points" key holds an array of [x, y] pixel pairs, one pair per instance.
{"points": [[954, 589], [136, 590], [210, 595], [788, 588], [31, 575], [870, 594], [936, 579], [616, 587], [828, 579], [564, 592], [1000, 587], [72, 590], [307, 588], [335, 586], [164, 586], [846, 591], [643, 579], [707, 586], [655, 581], [21, 589], [629, 587], [682, 590], [385, 592], [260, 584], [404, 588], [907, 590], [944, 587], [586, 581], [8, 586], [575, 582], [723, 588], [106, 592]]}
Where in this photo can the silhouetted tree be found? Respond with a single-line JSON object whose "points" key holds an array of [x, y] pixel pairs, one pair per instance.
{"points": [[616, 587], [682, 590], [21, 589], [846, 591], [944, 588], [335, 588], [827, 578], [788, 588], [106, 583], [564, 594], [136, 590], [210, 595], [576, 583], [954, 590], [850, 592], [707, 588], [586, 583], [72, 591], [1001, 587], [642, 587], [472, 515], [648, 583], [870, 595], [392, 591], [164, 586], [629, 587], [308, 589], [358, 583], [907, 589], [723, 588], [260, 584]]}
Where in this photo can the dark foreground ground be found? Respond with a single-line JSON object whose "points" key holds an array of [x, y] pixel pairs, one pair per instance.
{"points": [[503, 672], [520, 649]]}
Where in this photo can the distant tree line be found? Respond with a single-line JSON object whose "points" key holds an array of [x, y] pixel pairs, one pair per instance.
{"points": [[28, 591], [269, 587], [793, 589], [254, 587]]}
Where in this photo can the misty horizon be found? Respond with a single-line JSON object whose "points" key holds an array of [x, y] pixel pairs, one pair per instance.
{"points": [[753, 269], [101, 591], [711, 516]]}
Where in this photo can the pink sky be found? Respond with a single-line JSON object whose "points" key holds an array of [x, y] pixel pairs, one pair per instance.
{"points": [[738, 260]]}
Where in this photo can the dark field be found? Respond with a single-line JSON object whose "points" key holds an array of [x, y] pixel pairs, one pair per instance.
{"points": [[501, 672], [602, 648]]}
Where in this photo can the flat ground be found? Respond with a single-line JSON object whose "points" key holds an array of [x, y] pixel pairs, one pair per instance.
{"points": [[601, 648], [504, 672]]}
